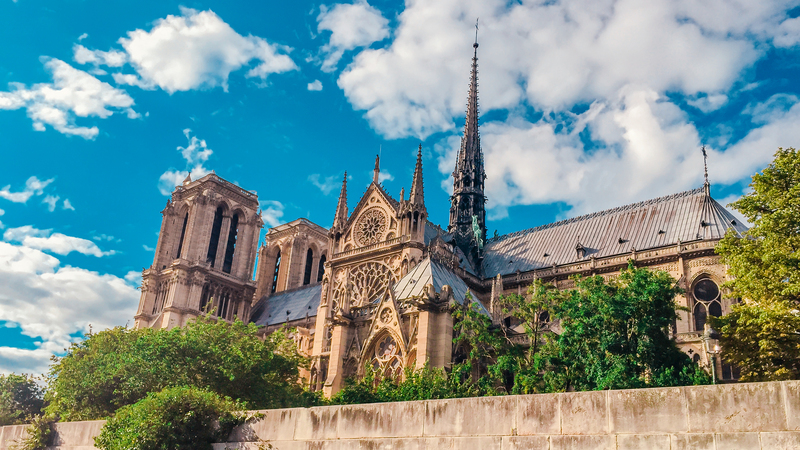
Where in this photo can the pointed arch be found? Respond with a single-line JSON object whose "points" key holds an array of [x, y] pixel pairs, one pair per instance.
{"points": [[309, 265], [321, 271]]}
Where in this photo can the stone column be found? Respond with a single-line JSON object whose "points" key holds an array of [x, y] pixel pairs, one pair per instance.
{"points": [[222, 244], [339, 341]]}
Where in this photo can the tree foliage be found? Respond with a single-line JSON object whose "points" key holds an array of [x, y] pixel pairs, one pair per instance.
{"points": [[21, 399], [614, 335], [120, 366], [177, 418], [609, 335], [762, 334]]}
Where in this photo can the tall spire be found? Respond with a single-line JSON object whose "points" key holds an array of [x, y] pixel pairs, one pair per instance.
{"points": [[417, 193], [377, 171], [341, 208], [706, 184], [468, 200]]}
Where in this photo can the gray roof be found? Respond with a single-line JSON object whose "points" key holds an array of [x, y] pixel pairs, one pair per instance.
{"points": [[431, 272], [687, 216], [299, 302]]}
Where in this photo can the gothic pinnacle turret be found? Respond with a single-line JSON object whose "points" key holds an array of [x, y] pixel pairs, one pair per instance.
{"points": [[341, 208], [417, 188], [467, 208]]}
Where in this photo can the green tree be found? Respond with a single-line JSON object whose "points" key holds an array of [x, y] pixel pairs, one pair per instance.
{"points": [[21, 399], [121, 366], [762, 334], [614, 335]]}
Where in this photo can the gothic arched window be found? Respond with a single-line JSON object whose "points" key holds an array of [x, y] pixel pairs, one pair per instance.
{"points": [[707, 301], [309, 263], [213, 243], [275, 274], [231, 246], [321, 271], [183, 234], [387, 361]]}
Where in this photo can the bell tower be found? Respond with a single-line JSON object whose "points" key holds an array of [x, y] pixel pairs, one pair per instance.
{"points": [[205, 255], [467, 204]]}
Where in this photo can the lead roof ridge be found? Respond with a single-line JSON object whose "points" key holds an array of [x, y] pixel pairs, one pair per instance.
{"points": [[597, 214]]}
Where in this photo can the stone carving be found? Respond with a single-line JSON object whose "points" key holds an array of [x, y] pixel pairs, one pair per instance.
{"points": [[371, 227], [369, 282]]}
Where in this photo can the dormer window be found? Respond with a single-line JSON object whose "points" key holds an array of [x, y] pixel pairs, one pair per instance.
{"points": [[580, 250]]}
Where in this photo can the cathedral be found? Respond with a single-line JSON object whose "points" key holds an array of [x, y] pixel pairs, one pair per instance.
{"points": [[377, 287]]}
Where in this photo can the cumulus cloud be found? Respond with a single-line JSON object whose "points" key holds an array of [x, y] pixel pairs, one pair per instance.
{"points": [[51, 201], [195, 154], [612, 61], [58, 243], [326, 184], [351, 26], [271, 212], [67, 205], [52, 302], [33, 186], [315, 85], [194, 50], [73, 93], [384, 176]]}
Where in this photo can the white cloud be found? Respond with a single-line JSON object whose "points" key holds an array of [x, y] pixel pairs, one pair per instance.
{"points": [[549, 55], [58, 243], [708, 103], [51, 201], [271, 212], [52, 302], [113, 58], [148, 248], [196, 154], [195, 50], [67, 205], [351, 26], [326, 185], [384, 176], [73, 93], [33, 186], [133, 277], [315, 85]]}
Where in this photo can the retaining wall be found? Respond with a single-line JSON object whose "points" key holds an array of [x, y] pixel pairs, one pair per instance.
{"points": [[724, 417]]}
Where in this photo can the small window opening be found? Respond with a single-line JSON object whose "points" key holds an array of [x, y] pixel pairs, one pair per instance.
{"points": [[213, 243], [183, 234], [309, 263], [321, 271], [275, 274], [231, 247]]}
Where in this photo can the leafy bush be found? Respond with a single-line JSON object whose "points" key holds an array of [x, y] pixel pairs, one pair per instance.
{"points": [[120, 366], [21, 399], [40, 433], [426, 383], [177, 418]]}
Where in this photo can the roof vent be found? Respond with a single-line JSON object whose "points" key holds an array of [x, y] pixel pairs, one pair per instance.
{"points": [[733, 221], [580, 250], [546, 255], [510, 261], [703, 223], [622, 241], [661, 231]]}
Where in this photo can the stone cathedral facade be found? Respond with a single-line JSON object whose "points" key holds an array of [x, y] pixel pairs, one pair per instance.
{"points": [[378, 286]]}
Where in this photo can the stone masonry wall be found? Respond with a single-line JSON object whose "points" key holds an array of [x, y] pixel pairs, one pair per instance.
{"points": [[724, 417]]}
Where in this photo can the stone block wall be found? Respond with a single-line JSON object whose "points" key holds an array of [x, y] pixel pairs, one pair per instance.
{"points": [[724, 417]]}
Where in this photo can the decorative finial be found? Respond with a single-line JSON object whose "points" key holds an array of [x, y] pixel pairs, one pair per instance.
{"points": [[377, 171], [475, 45], [706, 184]]}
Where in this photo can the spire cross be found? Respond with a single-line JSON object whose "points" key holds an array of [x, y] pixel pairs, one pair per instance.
{"points": [[476, 34]]}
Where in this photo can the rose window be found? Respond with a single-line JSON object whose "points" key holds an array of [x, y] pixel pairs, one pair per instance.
{"points": [[387, 362], [371, 227]]}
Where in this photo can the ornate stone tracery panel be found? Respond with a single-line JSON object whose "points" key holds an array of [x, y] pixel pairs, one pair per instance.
{"points": [[371, 227], [370, 281], [387, 358]]}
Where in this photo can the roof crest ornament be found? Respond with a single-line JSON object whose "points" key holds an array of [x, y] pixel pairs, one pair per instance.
{"points": [[706, 184], [377, 171]]}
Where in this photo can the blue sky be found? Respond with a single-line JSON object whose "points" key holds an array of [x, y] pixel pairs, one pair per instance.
{"points": [[585, 105]]}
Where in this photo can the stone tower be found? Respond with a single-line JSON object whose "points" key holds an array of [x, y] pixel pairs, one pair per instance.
{"points": [[205, 255], [467, 204]]}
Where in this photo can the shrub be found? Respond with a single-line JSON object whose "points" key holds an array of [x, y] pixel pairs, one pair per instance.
{"points": [[177, 418]]}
